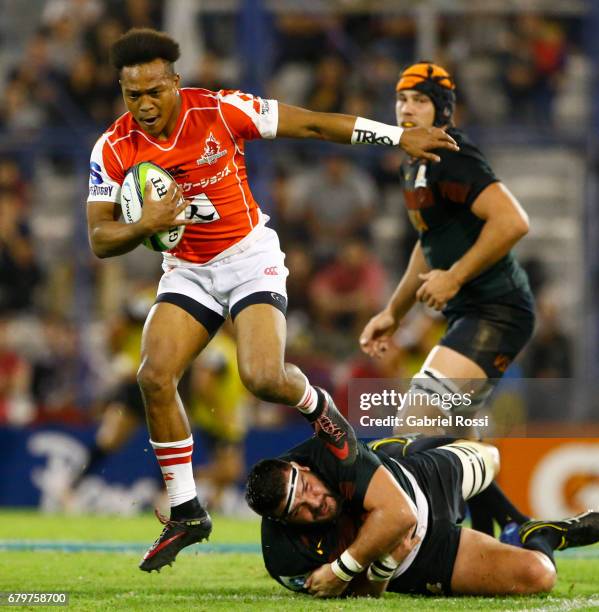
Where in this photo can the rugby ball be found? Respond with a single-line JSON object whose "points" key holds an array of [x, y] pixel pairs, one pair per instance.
{"points": [[132, 199]]}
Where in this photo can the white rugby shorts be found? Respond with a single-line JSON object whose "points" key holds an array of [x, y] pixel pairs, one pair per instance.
{"points": [[250, 272]]}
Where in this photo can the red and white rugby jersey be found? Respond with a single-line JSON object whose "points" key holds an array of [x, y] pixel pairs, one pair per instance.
{"points": [[205, 155]]}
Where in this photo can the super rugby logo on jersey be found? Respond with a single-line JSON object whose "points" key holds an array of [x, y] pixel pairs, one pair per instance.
{"points": [[212, 151], [95, 174], [96, 186]]}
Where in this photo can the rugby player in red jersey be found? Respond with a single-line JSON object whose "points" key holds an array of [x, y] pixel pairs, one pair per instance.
{"points": [[228, 262]]}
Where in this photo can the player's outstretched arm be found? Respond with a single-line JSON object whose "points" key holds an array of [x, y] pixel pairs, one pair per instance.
{"points": [[109, 237], [376, 336], [295, 122]]}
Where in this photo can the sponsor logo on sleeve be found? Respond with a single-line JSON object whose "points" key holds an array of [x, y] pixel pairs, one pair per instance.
{"points": [[97, 187], [101, 190], [95, 174], [254, 101]]}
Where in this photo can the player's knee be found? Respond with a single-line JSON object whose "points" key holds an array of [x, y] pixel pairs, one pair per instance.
{"points": [[428, 385], [263, 380], [537, 574], [154, 381], [480, 463], [492, 458]]}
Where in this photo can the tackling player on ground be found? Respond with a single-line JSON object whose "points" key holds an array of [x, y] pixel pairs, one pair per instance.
{"points": [[467, 223], [390, 521], [228, 262]]}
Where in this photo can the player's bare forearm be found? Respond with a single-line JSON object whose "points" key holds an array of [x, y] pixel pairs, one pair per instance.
{"points": [[111, 238], [383, 531], [389, 523], [295, 122], [404, 296], [375, 338]]}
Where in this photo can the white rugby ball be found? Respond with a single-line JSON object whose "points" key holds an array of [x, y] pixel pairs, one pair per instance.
{"points": [[132, 199]]}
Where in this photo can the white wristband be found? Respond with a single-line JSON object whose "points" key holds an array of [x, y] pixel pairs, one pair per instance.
{"points": [[336, 568], [346, 567], [382, 569], [375, 133]]}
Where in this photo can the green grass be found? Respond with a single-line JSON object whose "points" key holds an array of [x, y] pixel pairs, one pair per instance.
{"points": [[200, 581], [30, 525]]}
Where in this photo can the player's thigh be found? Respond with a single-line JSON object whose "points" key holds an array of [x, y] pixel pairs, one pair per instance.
{"points": [[451, 364], [259, 304], [490, 336], [171, 339], [485, 566], [448, 374], [260, 333]]}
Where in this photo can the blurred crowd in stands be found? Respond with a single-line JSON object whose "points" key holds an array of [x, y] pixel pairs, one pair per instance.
{"points": [[337, 63], [339, 212]]}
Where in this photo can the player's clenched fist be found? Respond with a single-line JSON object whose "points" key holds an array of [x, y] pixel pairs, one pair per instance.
{"points": [[438, 288], [417, 141]]}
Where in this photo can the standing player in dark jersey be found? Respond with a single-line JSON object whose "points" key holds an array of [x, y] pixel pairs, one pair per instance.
{"points": [[392, 522], [467, 222]]}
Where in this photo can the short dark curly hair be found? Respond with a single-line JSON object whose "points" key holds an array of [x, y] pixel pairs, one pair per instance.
{"points": [[143, 45], [266, 486]]}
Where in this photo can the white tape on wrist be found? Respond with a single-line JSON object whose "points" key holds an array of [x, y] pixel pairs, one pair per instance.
{"points": [[371, 132], [346, 567], [336, 568], [382, 569]]}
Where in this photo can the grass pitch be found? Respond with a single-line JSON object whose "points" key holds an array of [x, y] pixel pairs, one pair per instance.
{"points": [[95, 559]]}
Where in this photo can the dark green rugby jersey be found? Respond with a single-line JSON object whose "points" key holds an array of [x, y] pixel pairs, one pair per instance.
{"points": [[292, 552], [438, 198]]}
